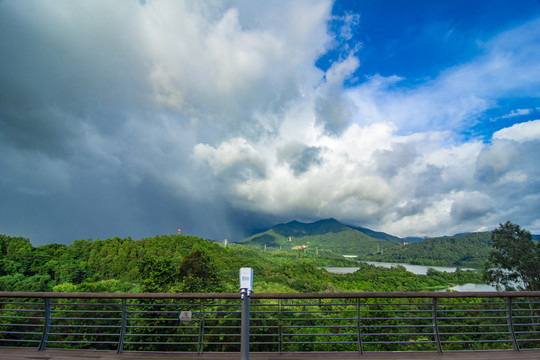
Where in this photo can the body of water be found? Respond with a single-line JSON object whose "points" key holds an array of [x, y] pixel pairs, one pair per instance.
{"points": [[419, 270], [472, 287], [415, 269]]}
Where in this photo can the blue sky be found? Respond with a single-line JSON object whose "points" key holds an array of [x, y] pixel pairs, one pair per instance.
{"points": [[417, 118], [420, 39]]}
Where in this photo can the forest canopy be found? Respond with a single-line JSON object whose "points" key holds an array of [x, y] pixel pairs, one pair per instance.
{"points": [[514, 260], [179, 263]]}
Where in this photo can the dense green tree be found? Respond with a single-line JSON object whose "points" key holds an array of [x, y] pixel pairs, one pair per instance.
{"points": [[514, 261], [15, 255], [198, 273], [159, 274]]}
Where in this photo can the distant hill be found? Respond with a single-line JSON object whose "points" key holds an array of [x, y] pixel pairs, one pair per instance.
{"points": [[463, 249], [470, 250], [377, 234], [413, 239], [328, 234]]}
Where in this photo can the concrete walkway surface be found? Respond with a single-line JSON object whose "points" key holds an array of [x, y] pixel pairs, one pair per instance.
{"points": [[32, 354]]}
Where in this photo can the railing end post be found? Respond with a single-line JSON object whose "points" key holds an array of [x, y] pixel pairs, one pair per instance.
{"points": [[46, 324], [510, 321], [436, 325], [123, 326]]}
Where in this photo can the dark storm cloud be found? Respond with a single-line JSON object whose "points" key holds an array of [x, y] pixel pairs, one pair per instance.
{"points": [[59, 81], [471, 208], [299, 157], [134, 119], [333, 113], [333, 110], [390, 161], [412, 208], [507, 171], [101, 110], [496, 160], [430, 182]]}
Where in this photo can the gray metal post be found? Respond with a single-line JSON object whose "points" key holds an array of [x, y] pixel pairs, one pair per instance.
{"points": [[358, 328], [246, 288], [201, 328], [123, 326], [436, 326], [244, 346], [510, 321], [280, 326], [46, 325]]}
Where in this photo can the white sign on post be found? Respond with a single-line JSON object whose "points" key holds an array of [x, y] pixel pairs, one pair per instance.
{"points": [[246, 279], [184, 316]]}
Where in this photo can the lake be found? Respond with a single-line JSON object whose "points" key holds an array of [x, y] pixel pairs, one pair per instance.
{"points": [[419, 270], [471, 287], [415, 269]]}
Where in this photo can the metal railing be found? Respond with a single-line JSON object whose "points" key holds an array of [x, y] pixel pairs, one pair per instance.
{"points": [[359, 322]]}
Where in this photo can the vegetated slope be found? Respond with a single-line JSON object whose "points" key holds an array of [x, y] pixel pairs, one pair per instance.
{"points": [[179, 263], [470, 250], [327, 234], [377, 234]]}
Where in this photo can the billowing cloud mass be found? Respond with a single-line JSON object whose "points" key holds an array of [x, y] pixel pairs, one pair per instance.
{"points": [[137, 118]]}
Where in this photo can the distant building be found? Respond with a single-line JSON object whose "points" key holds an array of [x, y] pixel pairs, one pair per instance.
{"points": [[299, 247]]}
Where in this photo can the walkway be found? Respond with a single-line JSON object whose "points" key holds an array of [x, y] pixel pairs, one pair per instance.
{"points": [[32, 354]]}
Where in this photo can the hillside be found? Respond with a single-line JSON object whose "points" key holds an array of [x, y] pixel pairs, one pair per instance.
{"points": [[463, 249], [469, 250], [377, 234], [179, 263], [327, 234]]}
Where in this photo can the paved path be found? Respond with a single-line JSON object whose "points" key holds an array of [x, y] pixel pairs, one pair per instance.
{"points": [[31, 354]]}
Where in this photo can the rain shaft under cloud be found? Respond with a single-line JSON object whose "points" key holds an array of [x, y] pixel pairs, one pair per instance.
{"points": [[137, 118]]}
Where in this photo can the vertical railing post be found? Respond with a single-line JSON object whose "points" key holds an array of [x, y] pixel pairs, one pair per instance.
{"points": [[46, 325], [244, 342], [280, 327], [358, 328], [246, 288], [511, 323], [120, 348], [436, 325], [201, 327]]}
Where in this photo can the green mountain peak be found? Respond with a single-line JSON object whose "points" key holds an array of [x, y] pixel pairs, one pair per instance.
{"points": [[327, 234]]}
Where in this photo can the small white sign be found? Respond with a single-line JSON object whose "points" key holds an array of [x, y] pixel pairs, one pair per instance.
{"points": [[246, 279], [184, 316]]}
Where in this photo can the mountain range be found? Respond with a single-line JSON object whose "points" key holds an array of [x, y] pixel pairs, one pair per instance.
{"points": [[464, 249], [298, 229], [328, 234]]}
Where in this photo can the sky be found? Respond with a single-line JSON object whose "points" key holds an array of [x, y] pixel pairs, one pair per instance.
{"points": [[133, 118]]}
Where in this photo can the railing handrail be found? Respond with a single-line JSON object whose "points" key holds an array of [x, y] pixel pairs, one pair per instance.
{"points": [[384, 319], [353, 295]]}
